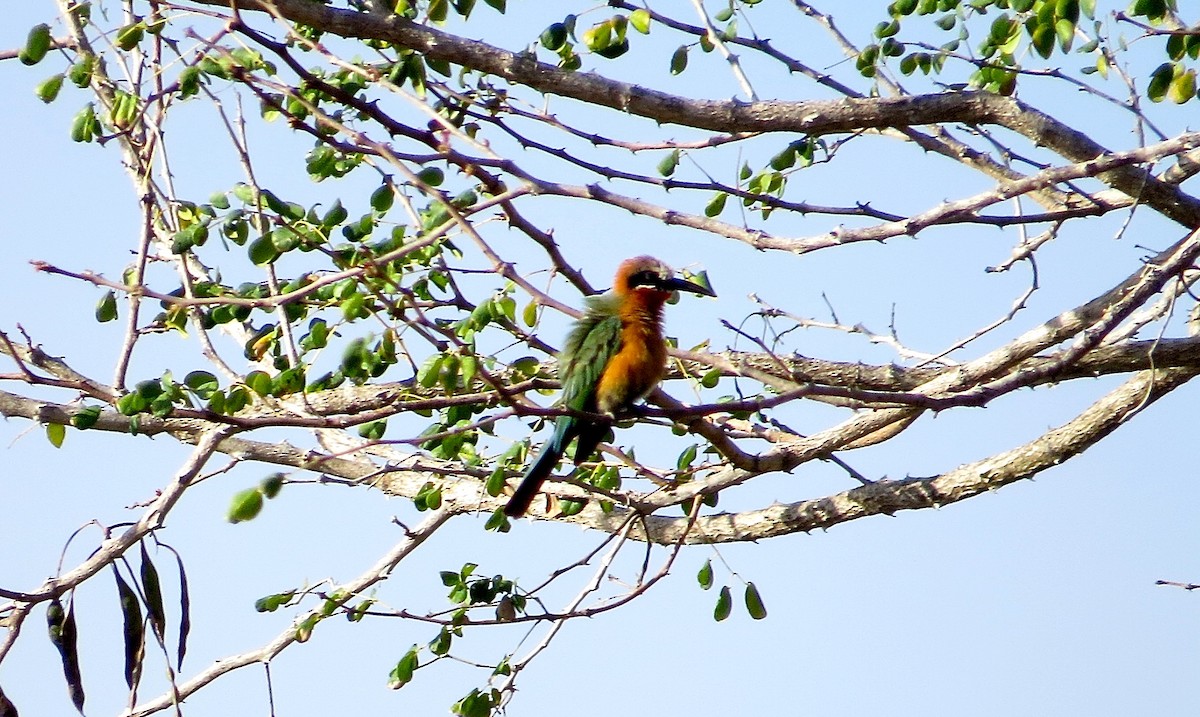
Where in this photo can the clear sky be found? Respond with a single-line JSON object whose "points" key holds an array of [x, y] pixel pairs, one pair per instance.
{"points": [[1038, 599]]}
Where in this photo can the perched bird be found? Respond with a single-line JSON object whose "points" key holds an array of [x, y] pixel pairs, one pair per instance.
{"points": [[614, 356]]}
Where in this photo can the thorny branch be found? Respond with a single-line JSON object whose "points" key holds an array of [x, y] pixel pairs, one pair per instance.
{"points": [[469, 124]]}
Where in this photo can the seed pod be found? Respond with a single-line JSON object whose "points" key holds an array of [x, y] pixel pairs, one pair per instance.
{"points": [[153, 588], [135, 634], [61, 623]]}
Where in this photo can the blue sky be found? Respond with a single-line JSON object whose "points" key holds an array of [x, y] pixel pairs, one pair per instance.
{"points": [[1038, 599]]}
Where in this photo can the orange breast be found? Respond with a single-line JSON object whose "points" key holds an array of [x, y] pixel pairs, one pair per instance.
{"points": [[640, 362]]}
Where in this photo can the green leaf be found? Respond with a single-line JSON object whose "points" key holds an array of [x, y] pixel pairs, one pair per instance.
{"points": [[432, 176], [1067, 10], [336, 215], [106, 308], [189, 81], [85, 417], [787, 158], [428, 374], [640, 19], [685, 459], [244, 192], [508, 307], [262, 251], [598, 36], [355, 307], [284, 239], [554, 36], [202, 383], [271, 603], [526, 365], [129, 36], [614, 50], [679, 60], [711, 378], [495, 483], [440, 645], [246, 505], [715, 205], [402, 673], [56, 433], [288, 382], [468, 368], [47, 91], [1152, 10], [382, 198], [37, 44], [85, 126], [239, 397], [131, 403], [372, 431], [80, 73], [259, 382], [529, 313], [1183, 88], [567, 508], [1065, 30], [305, 628], [754, 603], [1160, 81], [1001, 28], [438, 9], [498, 522], [724, 605], [271, 485], [359, 611], [667, 165], [705, 576], [1043, 40]]}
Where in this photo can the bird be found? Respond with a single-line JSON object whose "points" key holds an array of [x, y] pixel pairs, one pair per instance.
{"points": [[613, 356]]}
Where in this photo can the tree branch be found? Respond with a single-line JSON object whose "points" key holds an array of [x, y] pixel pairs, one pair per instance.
{"points": [[890, 497], [812, 117]]}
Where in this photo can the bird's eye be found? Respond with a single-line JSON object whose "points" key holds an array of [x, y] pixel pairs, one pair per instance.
{"points": [[645, 278]]}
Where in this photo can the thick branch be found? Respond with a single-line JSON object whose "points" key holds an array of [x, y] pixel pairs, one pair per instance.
{"points": [[813, 117], [890, 497]]}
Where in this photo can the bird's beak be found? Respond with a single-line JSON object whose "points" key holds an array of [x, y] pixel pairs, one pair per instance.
{"points": [[677, 284]]}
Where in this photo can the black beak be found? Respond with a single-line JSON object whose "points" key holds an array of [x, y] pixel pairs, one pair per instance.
{"points": [[677, 284]]}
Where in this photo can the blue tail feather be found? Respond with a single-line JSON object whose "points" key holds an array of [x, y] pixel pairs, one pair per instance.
{"points": [[541, 468]]}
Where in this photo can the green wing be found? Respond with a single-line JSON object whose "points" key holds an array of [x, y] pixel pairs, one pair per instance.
{"points": [[590, 346]]}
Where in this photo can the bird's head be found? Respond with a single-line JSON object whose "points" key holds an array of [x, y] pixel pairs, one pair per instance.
{"points": [[647, 274]]}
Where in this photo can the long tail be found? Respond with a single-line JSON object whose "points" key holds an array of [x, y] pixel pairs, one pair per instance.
{"points": [[531, 483]]}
